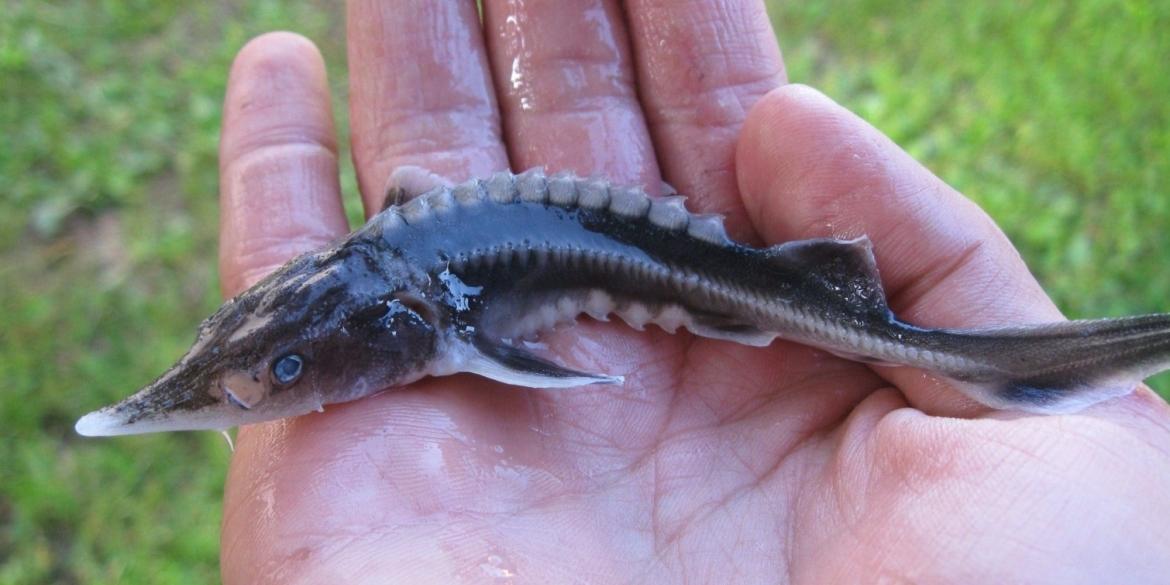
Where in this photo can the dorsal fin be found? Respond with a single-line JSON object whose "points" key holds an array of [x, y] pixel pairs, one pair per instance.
{"points": [[845, 267]]}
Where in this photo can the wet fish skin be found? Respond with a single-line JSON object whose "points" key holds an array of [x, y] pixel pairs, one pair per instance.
{"points": [[452, 280]]}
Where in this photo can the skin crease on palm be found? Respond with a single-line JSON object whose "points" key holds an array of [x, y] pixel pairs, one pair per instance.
{"points": [[714, 462]]}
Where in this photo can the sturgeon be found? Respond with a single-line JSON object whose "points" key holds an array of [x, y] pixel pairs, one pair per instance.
{"points": [[456, 279]]}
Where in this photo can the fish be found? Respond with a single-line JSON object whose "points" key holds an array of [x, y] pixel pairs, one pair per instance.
{"points": [[461, 278]]}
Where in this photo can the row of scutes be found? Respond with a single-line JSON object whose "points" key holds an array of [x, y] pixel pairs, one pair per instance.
{"points": [[565, 189]]}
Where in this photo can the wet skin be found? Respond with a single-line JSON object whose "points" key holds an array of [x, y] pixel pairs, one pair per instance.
{"points": [[800, 467]]}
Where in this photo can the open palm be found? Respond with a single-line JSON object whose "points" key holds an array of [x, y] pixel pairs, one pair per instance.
{"points": [[713, 463]]}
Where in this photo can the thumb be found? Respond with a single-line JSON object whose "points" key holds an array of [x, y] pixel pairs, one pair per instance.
{"points": [[808, 167]]}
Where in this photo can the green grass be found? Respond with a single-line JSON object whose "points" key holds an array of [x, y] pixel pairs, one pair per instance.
{"points": [[110, 117], [1052, 117]]}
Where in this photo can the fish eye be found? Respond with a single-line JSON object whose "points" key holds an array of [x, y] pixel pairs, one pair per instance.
{"points": [[288, 368]]}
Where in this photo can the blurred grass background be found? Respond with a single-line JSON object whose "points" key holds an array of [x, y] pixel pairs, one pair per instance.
{"points": [[1052, 115]]}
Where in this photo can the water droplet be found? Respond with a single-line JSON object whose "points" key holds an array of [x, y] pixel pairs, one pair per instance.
{"points": [[497, 568]]}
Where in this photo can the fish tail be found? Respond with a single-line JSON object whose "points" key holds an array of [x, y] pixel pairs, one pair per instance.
{"points": [[1062, 367]]}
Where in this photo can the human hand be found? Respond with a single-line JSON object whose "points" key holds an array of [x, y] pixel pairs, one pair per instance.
{"points": [[714, 462]]}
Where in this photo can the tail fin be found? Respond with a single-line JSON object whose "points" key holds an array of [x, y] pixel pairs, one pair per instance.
{"points": [[1064, 367]]}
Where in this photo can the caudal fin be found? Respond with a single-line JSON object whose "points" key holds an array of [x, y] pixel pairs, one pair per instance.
{"points": [[1064, 367]]}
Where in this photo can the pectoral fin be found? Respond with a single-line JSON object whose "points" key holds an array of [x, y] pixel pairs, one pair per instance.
{"points": [[515, 366]]}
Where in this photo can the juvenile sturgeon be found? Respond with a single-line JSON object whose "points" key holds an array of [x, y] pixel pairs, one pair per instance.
{"points": [[455, 279]]}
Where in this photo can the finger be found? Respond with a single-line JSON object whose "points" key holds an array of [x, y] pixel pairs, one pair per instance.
{"points": [[810, 168], [420, 93], [280, 197], [279, 188], [567, 89], [701, 66]]}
